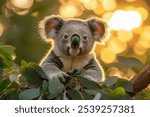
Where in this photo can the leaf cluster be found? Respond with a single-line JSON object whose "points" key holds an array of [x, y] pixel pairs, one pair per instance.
{"points": [[29, 82]]}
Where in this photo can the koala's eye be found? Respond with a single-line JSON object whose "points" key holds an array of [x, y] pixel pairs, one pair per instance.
{"points": [[85, 37], [65, 36]]}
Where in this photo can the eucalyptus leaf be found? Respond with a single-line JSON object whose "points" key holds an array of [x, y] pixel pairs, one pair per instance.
{"points": [[29, 94], [38, 69], [4, 84], [55, 88], [110, 81], [131, 61], [91, 92], [89, 84], [6, 56], [31, 74], [8, 49], [118, 93], [87, 96], [1, 74], [74, 95], [45, 85], [127, 85]]}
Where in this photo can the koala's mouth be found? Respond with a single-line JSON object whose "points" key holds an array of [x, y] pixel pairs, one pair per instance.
{"points": [[74, 52]]}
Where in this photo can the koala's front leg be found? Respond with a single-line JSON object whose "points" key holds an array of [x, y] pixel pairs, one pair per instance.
{"points": [[93, 71], [53, 72], [52, 67]]}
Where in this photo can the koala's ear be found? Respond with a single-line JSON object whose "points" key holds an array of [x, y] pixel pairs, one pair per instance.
{"points": [[97, 27], [50, 26]]}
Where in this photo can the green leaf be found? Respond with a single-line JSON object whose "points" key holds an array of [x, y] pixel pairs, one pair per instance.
{"points": [[143, 95], [74, 94], [97, 96], [105, 95], [38, 69], [23, 63], [125, 97], [87, 96], [110, 81], [117, 93], [6, 61], [131, 61], [45, 85], [89, 84], [91, 92], [1, 74], [32, 73], [29, 94], [4, 84], [127, 85], [55, 88], [9, 49], [14, 95], [6, 57]]}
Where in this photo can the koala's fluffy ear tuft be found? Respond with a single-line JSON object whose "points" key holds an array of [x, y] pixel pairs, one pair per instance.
{"points": [[50, 26], [97, 27]]}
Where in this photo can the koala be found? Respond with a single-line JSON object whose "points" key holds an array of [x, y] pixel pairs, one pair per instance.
{"points": [[73, 46]]}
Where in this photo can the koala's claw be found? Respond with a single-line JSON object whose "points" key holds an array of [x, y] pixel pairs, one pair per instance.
{"points": [[58, 75]]}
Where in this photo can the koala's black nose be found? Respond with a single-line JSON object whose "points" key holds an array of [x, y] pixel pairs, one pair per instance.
{"points": [[75, 40]]}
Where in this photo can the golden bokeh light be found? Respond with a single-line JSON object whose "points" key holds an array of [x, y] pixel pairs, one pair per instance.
{"points": [[35, 14], [99, 10], [143, 12], [125, 20], [116, 46], [1, 29], [145, 37], [139, 50], [107, 55], [22, 4], [124, 36], [130, 0], [68, 11], [22, 12], [107, 16], [39, 0], [109, 5], [146, 33], [138, 30], [114, 71], [90, 4], [128, 8], [98, 47], [130, 73]]}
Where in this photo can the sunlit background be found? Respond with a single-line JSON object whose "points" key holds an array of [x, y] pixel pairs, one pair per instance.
{"points": [[128, 21]]}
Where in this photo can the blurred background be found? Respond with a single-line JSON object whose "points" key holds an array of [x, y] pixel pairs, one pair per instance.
{"points": [[129, 21]]}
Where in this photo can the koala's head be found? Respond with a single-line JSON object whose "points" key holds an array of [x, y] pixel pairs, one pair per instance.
{"points": [[72, 37]]}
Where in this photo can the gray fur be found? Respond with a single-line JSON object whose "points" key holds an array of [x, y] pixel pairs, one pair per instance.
{"points": [[63, 58]]}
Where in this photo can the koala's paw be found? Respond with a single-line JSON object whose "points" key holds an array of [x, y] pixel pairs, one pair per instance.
{"points": [[58, 75]]}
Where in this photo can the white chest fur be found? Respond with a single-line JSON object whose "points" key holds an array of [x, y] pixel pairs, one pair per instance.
{"points": [[71, 63]]}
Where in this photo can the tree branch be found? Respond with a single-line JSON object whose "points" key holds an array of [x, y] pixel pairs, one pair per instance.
{"points": [[141, 80]]}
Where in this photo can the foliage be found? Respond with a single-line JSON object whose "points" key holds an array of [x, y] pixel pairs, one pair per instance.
{"points": [[28, 81]]}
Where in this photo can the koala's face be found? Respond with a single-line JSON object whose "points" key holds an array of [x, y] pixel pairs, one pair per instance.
{"points": [[73, 37]]}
